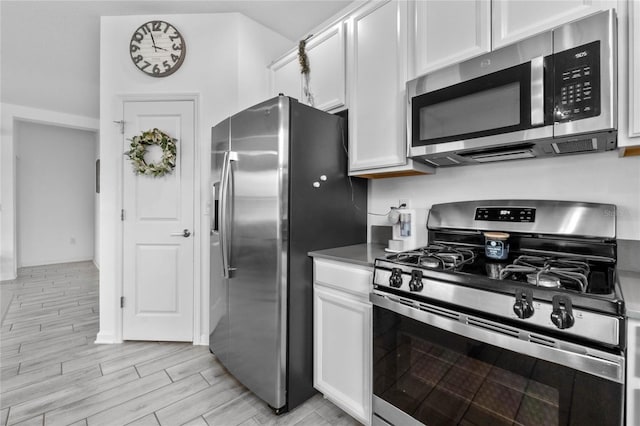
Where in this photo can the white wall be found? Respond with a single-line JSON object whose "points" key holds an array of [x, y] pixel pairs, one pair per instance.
{"points": [[600, 178], [55, 194], [217, 75], [10, 114]]}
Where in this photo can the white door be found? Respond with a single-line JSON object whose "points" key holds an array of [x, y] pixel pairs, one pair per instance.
{"points": [[158, 252]]}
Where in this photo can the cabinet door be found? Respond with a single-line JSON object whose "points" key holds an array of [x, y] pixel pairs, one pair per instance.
{"points": [[326, 54], [448, 31], [342, 341], [377, 46], [285, 76], [515, 20], [633, 372], [634, 70]]}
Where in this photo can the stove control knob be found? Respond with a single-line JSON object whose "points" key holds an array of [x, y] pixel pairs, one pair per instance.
{"points": [[395, 280], [416, 281], [523, 307], [562, 313]]}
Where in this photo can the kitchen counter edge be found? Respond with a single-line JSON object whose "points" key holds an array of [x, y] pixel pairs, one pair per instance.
{"points": [[630, 286], [629, 275], [360, 254]]}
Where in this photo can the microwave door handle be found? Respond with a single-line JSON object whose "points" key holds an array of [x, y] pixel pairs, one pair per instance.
{"points": [[537, 91]]}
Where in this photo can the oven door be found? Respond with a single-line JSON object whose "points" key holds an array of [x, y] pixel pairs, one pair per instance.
{"points": [[435, 366]]}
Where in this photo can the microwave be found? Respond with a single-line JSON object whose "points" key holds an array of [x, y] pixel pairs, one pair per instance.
{"points": [[551, 94]]}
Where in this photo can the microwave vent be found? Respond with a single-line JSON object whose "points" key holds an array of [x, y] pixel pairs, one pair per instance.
{"points": [[508, 154], [572, 147], [442, 161]]}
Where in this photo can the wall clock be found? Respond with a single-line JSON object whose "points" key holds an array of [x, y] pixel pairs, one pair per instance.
{"points": [[157, 48]]}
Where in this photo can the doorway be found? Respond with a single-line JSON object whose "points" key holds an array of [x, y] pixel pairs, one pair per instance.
{"points": [[55, 194]]}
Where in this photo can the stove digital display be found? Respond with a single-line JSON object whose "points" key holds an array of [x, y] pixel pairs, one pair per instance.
{"points": [[506, 214]]}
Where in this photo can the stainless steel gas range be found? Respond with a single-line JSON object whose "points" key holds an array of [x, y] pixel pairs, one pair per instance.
{"points": [[511, 315]]}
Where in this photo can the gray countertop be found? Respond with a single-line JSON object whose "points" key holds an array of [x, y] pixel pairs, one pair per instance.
{"points": [[360, 254], [630, 285], [629, 275]]}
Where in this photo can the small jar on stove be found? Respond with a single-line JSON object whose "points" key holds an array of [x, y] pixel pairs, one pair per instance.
{"points": [[496, 245]]}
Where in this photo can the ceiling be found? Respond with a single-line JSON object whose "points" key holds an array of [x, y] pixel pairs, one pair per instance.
{"points": [[50, 49]]}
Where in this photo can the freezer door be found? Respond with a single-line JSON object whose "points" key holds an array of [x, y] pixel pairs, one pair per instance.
{"points": [[258, 204], [219, 286]]}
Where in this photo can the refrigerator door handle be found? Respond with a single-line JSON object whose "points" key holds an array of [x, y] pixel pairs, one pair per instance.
{"points": [[222, 214], [225, 233]]}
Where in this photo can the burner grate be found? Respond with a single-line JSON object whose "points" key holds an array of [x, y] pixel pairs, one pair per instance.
{"points": [[557, 272], [437, 256]]}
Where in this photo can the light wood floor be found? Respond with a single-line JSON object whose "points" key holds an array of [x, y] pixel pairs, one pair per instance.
{"points": [[53, 373]]}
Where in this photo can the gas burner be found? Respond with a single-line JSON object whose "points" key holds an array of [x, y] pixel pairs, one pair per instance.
{"points": [[429, 262], [436, 256], [543, 280], [550, 271]]}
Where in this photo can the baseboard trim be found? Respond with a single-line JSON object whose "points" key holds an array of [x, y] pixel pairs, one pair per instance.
{"points": [[203, 341], [106, 339], [56, 262]]}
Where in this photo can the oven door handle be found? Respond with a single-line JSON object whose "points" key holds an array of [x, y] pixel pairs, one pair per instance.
{"points": [[577, 357]]}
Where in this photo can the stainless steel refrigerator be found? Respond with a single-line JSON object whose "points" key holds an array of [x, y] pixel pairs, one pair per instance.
{"points": [[280, 189]]}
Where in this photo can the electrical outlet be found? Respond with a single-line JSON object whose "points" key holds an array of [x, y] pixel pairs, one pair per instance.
{"points": [[407, 203]]}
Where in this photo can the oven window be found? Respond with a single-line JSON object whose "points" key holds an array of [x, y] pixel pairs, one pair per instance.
{"points": [[480, 111], [489, 105], [441, 378]]}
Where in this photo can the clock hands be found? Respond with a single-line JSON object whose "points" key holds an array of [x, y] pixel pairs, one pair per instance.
{"points": [[153, 42]]}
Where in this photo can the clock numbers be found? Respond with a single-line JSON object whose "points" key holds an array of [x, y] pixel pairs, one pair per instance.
{"points": [[157, 48]]}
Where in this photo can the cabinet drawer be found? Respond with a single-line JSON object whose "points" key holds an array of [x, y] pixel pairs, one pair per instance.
{"points": [[347, 277]]}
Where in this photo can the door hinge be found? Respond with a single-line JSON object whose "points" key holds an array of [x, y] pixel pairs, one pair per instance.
{"points": [[122, 214], [122, 302], [121, 123]]}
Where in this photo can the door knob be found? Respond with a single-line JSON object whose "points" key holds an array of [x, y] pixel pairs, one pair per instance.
{"points": [[185, 233]]}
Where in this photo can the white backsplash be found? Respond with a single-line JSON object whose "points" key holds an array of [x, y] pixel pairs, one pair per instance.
{"points": [[598, 178]]}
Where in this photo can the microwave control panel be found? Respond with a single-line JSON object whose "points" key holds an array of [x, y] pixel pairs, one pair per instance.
{"points": [[577, 83]]}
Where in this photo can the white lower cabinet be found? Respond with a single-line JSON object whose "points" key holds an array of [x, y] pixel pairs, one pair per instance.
{"points": [[343, 336], [633, 372]]}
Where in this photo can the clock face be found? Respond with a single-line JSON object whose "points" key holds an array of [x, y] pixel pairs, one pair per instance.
{"points": [[157, 48]]}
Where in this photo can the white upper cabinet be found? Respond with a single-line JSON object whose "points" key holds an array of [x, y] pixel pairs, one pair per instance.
{"points": [[326, 55], [634, 70], [285, 76], [326, 83], [377, 65], [444, 32], [515, 20]]}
